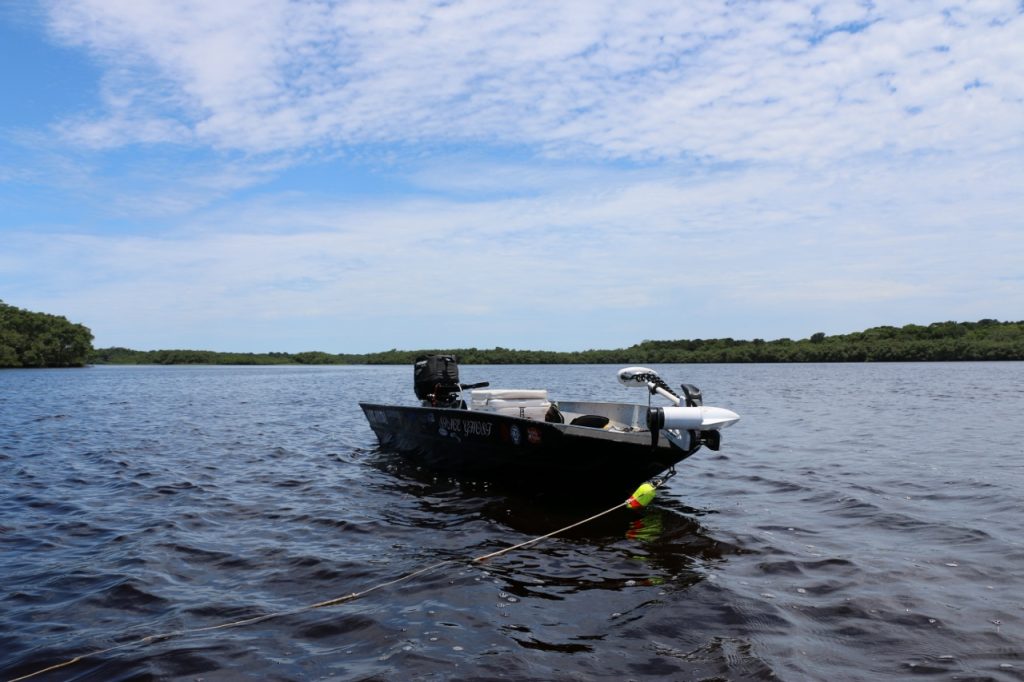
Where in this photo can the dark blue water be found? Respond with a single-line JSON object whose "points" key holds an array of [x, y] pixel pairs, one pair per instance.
{"points": [[861, 522]]}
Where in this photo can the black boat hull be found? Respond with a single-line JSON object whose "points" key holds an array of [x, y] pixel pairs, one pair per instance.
{"points": [[523, 454]]}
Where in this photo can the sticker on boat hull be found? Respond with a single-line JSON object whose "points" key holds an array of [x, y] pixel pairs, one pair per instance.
{"points": [[457, 426]]}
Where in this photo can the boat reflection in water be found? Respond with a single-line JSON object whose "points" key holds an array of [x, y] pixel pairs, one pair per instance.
{"points": [[664, 545]]}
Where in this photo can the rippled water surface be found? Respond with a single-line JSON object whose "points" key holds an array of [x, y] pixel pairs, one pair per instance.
{"points": [[861, 522]]}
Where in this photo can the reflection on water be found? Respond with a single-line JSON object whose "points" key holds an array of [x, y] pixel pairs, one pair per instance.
{"points": [[862, 522]]}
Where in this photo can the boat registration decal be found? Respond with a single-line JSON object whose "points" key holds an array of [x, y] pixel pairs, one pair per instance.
{"points": [[467, 427]]}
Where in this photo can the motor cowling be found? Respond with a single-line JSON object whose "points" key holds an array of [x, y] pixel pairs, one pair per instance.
{"points": [[435, 377]]}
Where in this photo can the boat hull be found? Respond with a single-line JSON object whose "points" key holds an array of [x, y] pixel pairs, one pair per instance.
{"points": [[525, 454]]}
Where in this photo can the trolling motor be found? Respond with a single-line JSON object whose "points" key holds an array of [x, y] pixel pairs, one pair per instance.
{"points": [[687, 413]]}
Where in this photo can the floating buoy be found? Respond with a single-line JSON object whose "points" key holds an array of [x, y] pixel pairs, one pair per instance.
{"points": [[642, 497]]}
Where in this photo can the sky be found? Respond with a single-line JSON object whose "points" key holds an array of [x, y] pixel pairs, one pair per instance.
{"points": [[291, 175]]}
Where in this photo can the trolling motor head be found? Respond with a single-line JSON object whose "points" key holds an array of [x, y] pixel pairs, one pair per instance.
{"points": [[649, 379], [637, 376]]}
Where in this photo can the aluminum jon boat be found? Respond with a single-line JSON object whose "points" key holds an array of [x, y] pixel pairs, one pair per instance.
{"points": [[521, 439]]}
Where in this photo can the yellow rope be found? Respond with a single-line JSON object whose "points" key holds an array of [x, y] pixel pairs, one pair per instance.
{"points": [[319, 605], [485, 557]]}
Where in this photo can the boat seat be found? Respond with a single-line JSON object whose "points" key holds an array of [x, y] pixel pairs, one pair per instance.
{"points": [[531, 404], [594, 421], [485, 394]]}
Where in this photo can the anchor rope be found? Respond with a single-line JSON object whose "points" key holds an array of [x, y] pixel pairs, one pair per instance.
{"points": [[149, 639]]}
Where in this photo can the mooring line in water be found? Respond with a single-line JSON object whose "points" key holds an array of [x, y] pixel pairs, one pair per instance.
{"points": [[236, 623], [641, 498], [534, 541]]}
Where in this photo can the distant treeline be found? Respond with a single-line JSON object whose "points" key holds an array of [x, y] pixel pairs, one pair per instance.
{"points": [[982, 340], [29, 339]]}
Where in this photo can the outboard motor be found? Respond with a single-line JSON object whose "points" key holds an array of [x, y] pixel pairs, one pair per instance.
{"points": [[436, 379]]}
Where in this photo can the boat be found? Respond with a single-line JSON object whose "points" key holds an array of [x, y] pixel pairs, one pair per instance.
{"points": [[521, 439]]}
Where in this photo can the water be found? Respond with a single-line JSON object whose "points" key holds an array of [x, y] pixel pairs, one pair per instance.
{"points": [[861, 522]]}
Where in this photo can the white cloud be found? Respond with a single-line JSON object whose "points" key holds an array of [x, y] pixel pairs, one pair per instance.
{"points": [[723, 81], [726, 162], [651, 251]]}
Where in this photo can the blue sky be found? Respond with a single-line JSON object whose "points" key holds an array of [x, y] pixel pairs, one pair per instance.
{"points": [[356, 176]]}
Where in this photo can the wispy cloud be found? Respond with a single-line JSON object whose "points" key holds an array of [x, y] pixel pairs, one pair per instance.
{"points": [[362, 175], [652, 80], [656, 253]]}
